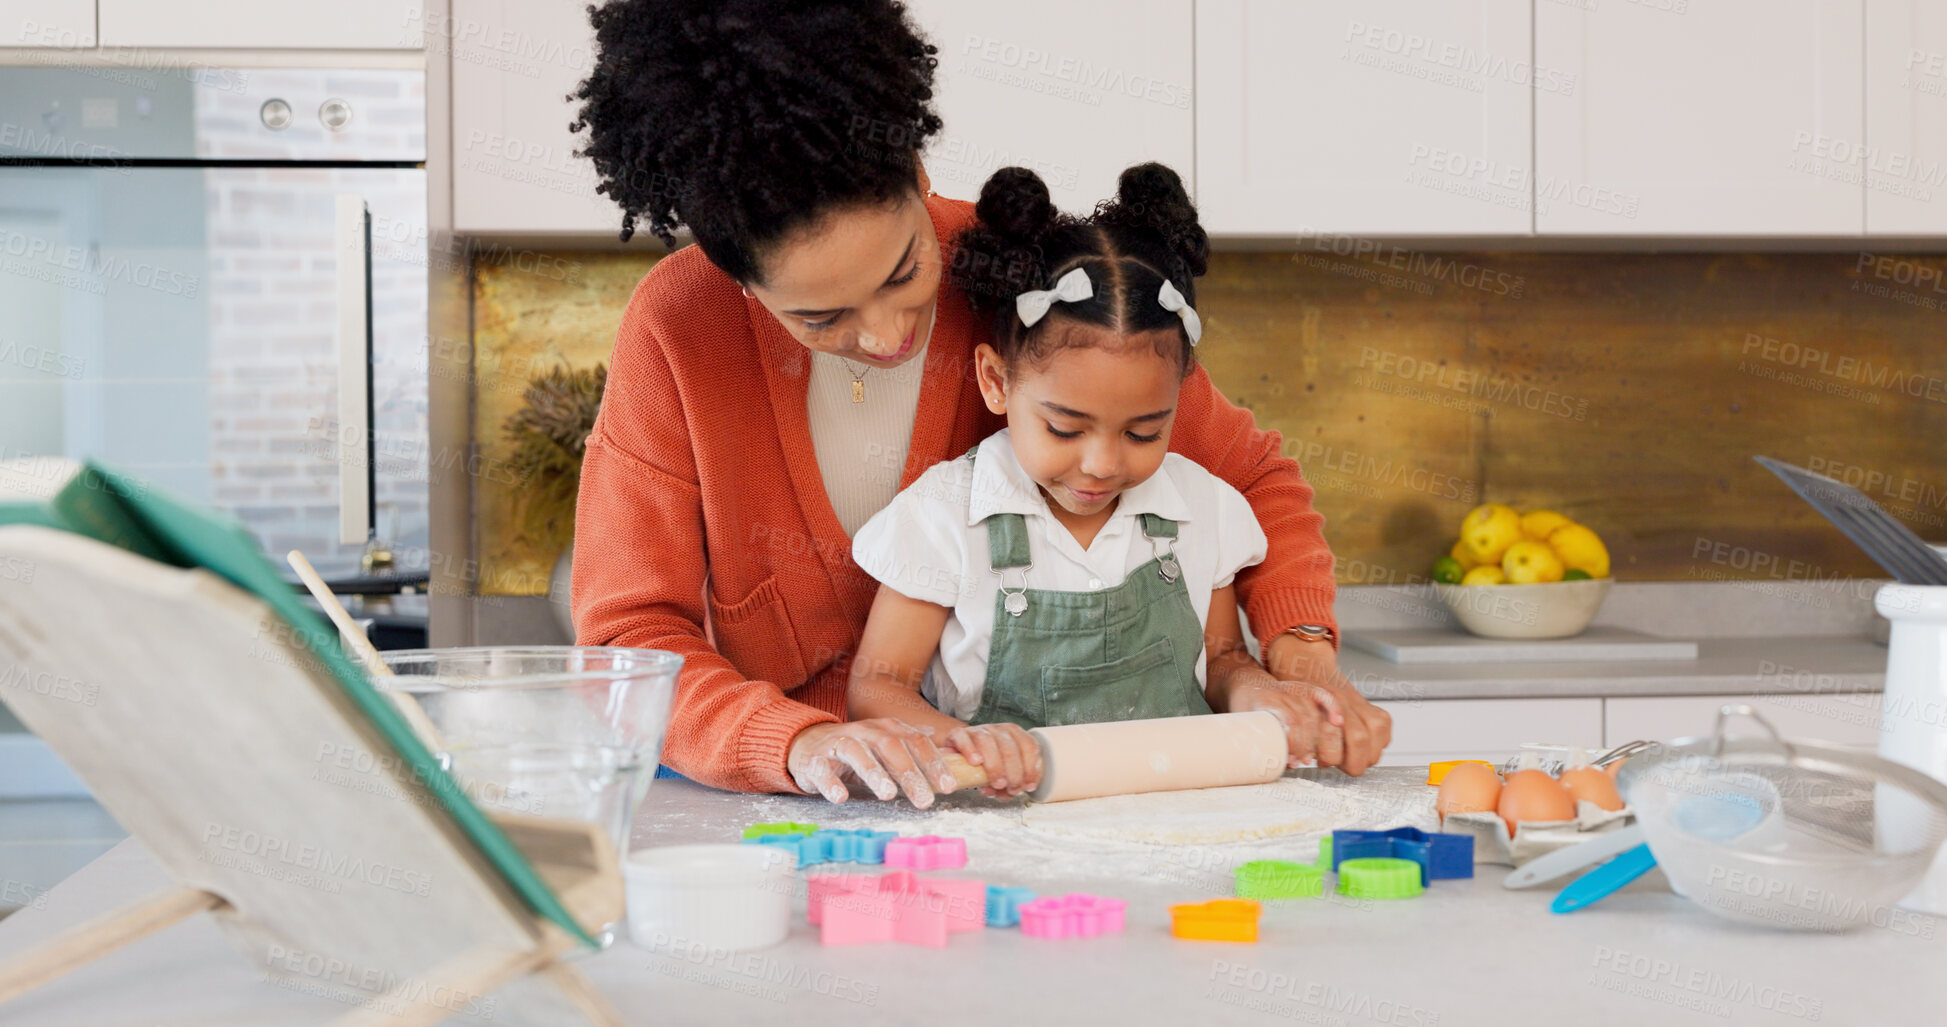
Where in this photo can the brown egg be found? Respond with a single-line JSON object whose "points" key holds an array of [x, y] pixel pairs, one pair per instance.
{"points": [[1468, 788], [1612, 768], [1533, 795], [1587, 784]]}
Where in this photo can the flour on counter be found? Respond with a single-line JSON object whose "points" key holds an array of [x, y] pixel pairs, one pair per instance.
{"points": [[1217, 816], [1194, 837]]}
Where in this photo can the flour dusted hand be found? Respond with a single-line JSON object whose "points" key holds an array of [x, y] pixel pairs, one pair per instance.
{"points": [[1310, 714], [885, 754], [1006, 751], [1355, 740]]}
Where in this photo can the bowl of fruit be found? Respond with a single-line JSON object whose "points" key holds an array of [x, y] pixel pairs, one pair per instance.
{"points": [[1523, 575]]}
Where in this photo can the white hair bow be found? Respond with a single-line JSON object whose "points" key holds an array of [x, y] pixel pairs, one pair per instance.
{"points": [[1174, 302], [1072, 287]]}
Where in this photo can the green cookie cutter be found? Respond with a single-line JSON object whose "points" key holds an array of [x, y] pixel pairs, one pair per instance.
{"points": [[778, 827], [1279, 879], [1380, 877]]}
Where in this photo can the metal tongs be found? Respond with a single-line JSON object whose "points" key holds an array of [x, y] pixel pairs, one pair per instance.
{"points": [[1555, 765]]}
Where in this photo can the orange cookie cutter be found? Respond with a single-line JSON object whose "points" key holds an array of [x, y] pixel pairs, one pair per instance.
{"points": [[1216, 920]]}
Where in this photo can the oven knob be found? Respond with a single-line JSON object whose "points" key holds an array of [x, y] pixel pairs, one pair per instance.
{"points": [[335, 114], [276, 114]]}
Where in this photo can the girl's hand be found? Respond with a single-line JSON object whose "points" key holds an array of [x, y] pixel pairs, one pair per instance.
{"points": [[1010, 756], [885, 754], [1308, 712]]}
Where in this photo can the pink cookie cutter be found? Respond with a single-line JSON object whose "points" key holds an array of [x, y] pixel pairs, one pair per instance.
{"points": [[1072, 916], [927, 852], [863, 909]]}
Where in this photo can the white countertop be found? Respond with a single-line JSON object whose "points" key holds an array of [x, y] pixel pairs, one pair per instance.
{"points": [[1724, 666], [1465, 952], [1753, 638]]}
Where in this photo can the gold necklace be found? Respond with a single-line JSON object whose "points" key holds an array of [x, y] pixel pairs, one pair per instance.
{"points": [[858, 381], [858, 378]]}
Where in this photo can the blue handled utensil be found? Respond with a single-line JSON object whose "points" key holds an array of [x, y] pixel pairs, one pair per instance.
{"points": [[1604, 880], [1744, 803]]}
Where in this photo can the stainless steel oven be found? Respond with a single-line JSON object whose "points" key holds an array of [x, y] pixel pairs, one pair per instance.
{"points": [[216, 278]]}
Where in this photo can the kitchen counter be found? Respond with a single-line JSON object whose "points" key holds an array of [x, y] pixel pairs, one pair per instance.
{"points": [[1465, 952], [1767, 665]]}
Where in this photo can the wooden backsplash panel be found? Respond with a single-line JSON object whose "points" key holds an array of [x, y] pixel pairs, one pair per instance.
{"points": [[1629, 391], [528, 316]]}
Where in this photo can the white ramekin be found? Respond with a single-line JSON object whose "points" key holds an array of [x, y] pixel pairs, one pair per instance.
{"points": [[687, 900]]}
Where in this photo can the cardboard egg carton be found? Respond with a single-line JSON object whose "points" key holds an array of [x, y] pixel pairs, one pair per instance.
{"points": [[1533, 838]]}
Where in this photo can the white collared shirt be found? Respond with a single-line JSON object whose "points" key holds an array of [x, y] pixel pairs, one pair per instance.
{"points": [[930, 544]]}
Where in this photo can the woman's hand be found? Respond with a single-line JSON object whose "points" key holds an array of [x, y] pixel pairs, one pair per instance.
{"points": [[1310, 714], [885, 754], [1325, 718], [1010, 756], [1355, 743]]}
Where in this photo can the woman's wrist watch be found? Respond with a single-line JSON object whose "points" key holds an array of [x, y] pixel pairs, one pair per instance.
{"points": [[1313, 632]]}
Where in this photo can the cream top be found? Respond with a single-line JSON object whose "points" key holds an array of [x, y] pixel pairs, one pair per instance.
{"points": [[862, 447]]}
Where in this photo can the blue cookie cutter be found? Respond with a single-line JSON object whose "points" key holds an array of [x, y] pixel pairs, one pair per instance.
{"points": [[1441, 856], [860, 846], [1004, 905], [831, 846]]}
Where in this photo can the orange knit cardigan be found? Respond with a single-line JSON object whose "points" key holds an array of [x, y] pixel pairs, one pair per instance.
{"points": [[703, 527]]}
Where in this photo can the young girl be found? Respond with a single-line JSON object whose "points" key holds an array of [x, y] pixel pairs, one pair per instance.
{"points": [[1070, 568]]}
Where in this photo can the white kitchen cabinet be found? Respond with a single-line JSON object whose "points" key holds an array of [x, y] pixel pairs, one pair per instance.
{"points": [[1904, 163], [264, 24], [1366, 116], [1075, 91], [1849, 719], [514, 165], [1056, 88], [1488, 729], [1687, 117], [63, 24]]}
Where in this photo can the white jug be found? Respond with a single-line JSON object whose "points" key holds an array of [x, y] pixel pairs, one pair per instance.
{"points": [[1913, 720]]}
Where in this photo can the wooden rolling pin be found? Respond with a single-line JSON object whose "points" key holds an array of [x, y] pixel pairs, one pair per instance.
{"points": [[1083, 761]]}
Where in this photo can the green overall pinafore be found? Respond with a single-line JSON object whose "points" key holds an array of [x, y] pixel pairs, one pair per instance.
{"points": [[1123, 653]]}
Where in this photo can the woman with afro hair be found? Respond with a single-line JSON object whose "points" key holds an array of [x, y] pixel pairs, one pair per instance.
{"points": [[775, 385]]}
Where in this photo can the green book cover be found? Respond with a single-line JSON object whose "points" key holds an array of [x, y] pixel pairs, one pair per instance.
{"points": [[111, 507]]}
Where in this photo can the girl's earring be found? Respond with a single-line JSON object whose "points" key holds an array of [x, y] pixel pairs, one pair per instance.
{"points": [[747, 293]]}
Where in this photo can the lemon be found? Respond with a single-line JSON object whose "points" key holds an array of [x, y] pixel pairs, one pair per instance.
{"points": [[1459, 554], [1486, 574], [1536, 524], [1580, 549], [1528, 563], [1448, 571], [1574, 575], [1488, 531]]}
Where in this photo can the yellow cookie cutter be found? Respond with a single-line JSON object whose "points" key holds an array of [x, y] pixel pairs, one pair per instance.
{"points": [[1437, 772]]}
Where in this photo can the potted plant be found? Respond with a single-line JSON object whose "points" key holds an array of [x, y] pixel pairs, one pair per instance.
{"points": [[550, 434]]}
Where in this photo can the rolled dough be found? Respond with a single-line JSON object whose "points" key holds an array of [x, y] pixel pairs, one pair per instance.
{"points": [[1213, 816]]}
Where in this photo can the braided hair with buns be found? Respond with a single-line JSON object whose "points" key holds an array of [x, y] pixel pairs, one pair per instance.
{"points": [[1128, 246]]}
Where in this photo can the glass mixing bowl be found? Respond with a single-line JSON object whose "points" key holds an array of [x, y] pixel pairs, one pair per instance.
{"points": [[569, 732]]}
